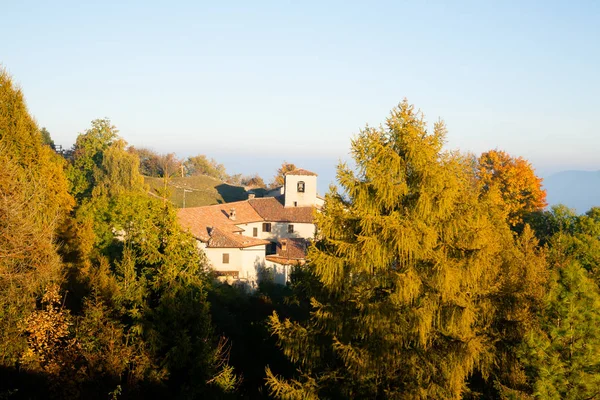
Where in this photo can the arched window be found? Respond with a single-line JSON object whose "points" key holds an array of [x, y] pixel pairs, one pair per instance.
{"points": [[301, 186]]}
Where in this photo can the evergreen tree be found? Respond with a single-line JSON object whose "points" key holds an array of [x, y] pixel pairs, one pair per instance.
{"points": [[405, 274], [563, 356], [34, 203]]}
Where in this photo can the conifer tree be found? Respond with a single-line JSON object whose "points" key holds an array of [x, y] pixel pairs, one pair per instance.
{"points": [[563, 356], [404, 274], [34, 202]]}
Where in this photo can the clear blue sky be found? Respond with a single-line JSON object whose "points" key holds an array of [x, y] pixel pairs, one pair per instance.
{"points": [[278, 80]]}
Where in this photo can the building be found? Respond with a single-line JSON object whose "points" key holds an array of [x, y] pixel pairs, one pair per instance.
{"points": [[245, 239]]}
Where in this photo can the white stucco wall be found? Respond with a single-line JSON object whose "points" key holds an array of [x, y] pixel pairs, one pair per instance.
{"points": [[215, 258], [280, 273], [307, 198], [246, 261], [253, 258], [279, 230]]}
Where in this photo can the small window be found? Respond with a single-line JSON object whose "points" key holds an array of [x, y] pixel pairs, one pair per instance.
{"points": [[301, 186], [295, 204], [271, 248], [290, 228], [225, 258], [255, 232], [267, 227]]}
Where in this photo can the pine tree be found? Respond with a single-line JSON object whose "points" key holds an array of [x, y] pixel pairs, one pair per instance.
{"points": [[404, 276], [563, 356]]}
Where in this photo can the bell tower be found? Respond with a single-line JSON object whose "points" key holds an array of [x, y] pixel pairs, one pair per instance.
{"points": [[300, 188]]}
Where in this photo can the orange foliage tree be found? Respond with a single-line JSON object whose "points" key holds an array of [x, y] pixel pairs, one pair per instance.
{"points": [[520, 189]]}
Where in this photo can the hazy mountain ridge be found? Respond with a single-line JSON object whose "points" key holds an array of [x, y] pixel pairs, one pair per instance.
{"points": [[576, 189]]}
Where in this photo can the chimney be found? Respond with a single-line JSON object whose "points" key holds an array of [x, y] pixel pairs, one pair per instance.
{"points": [[209, 229], [283, 245], [251, 196], [232, 214]]}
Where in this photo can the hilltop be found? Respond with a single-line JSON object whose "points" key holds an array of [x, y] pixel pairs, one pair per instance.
{"points": [[201, 190]]}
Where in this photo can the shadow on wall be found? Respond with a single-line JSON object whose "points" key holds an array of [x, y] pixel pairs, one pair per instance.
{"points": [[270, 273], [280, 230]]}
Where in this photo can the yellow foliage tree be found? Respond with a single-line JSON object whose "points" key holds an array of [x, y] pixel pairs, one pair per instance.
{"points": [[34, 201]]}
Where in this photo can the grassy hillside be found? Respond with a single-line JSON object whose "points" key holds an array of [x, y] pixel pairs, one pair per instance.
{"points": [[200, 190]]}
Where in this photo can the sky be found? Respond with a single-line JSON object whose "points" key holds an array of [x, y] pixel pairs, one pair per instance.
{"points": [[254, 83]]}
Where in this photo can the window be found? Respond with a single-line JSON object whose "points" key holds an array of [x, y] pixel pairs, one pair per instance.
{"points": [[290, 228], [225, 258], [255, 232], [267, 227], [295, 204], [271, 248], [301, 186]]}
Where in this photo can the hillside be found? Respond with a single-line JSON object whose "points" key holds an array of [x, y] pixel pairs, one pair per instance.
{"points": [[576, 189], [200, 190]]}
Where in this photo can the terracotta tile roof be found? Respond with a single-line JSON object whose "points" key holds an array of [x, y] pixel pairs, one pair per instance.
{"points": [[198, 219], [290, 252], [213, 225], [220, 238], [272, 209], [300, 171]]}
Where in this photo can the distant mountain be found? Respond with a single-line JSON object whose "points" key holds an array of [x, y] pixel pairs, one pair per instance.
{"points": [[575, 189]]}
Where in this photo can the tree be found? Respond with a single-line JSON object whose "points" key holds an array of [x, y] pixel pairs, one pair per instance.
{"points": [[254, 181], [520, 188], [88, 152], [202, 165], [563, 356], [146, 283], [404, 277], [150, 163], [34, 204], [279, 178], [46, 138]]}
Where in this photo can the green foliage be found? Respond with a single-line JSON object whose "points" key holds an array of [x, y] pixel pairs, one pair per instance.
{"points": [[88, 153], [563, 355], [46, 138], [201, 190], [243, 317], [202, 165]]}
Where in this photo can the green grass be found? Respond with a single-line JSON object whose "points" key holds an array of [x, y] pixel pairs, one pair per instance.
{"points": [[200, 190]]}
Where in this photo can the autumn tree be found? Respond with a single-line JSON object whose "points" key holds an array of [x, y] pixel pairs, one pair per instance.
{"points": [[515, 179], [279, 178], [253, 181], [411, 253], [34, 204]]}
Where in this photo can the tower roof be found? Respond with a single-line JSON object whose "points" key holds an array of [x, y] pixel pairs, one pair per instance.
{"points": [[301, 171]]}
